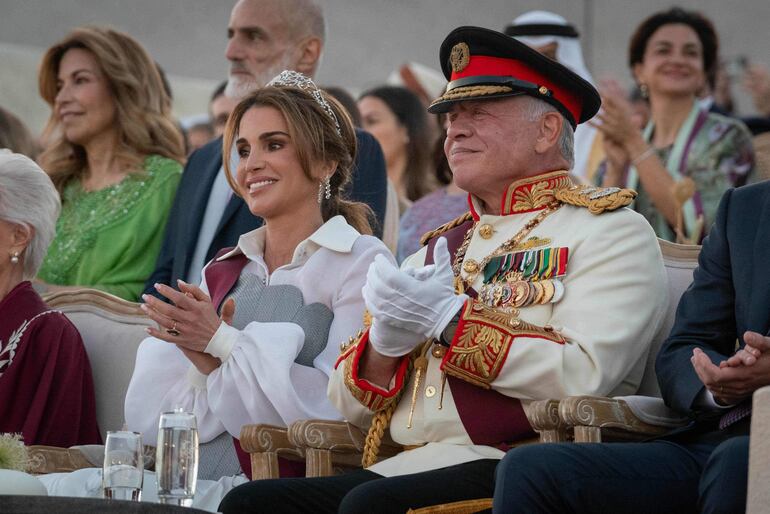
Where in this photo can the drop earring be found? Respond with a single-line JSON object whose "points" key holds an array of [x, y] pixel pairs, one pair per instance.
{"points": [[327, 187], [15, 258]]}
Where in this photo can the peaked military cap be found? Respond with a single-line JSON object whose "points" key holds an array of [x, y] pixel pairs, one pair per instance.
{"points": [[484, 64]]}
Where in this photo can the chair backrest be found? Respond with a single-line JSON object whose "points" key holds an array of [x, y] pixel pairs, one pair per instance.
{"points": [[111, 329], [680, 261]]}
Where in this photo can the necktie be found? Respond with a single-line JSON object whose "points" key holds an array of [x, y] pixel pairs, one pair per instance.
{"points": [[735, 414]]}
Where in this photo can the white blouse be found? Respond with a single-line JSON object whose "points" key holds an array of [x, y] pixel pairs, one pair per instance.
{"points": [[259, 380]]}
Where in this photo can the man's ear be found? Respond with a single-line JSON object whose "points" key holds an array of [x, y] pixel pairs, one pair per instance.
{"points": [[549, 132], [308, 53]]}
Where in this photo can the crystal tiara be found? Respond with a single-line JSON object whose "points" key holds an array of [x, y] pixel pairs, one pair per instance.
{"points": [[296, 79]]}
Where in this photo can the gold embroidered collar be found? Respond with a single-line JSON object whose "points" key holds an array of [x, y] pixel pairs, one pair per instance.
{"points": [[532, 193]]}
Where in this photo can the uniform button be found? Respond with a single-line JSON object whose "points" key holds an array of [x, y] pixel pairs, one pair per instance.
{"points": [[486, 231], [430, 391], [470, 266], [438, 351]]}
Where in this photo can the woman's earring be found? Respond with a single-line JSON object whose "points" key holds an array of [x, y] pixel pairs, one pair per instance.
{"points": [[327, 187], [15, 258], [644, 90]]}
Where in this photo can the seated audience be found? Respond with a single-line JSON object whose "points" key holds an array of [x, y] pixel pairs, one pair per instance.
{"points": [[702, 467], [553, 36], [15, 136], [685, 158], [528, 296], [397, 119], [46, 389], [432, 210], [347, 101], [113, 153], [220, 107], [198, 131]]}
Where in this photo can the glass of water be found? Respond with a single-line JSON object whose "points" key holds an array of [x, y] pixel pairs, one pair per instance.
{"points": [[176, 462], [123, 469]]}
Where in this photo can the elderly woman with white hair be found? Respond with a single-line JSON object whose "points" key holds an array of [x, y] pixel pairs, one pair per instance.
{"points": [[46, 389]]}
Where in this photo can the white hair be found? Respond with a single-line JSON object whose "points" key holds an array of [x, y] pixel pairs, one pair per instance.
{"points": [[536, 109], [28, 198]]}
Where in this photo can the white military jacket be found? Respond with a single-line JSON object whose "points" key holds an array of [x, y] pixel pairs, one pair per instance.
{"points": [[586, 332]]}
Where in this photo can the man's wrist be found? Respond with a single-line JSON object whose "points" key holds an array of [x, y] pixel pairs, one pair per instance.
{"points": [[447, 335]]}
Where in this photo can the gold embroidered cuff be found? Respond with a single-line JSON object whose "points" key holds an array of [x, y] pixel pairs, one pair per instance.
{"points": [[482, 340], [368, 394]]}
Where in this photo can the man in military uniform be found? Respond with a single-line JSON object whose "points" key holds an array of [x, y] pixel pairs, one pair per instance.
{"points": [[543, 290]]}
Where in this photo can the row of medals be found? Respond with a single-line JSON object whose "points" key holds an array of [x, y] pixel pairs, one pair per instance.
{"points": [[515, 292]]}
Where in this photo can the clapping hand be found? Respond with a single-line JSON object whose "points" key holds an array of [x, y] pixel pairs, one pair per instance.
{"points": [[736, 378], [189, 323], [409, 307]]}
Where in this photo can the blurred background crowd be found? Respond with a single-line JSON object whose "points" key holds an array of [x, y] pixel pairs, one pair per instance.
{"points": [[150, 79]]}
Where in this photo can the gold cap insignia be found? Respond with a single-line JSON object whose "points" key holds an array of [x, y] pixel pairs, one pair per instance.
{"points": [[460, 57], [543, 90]]}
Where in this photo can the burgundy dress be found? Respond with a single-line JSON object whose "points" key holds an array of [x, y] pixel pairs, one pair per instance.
{"points": [[46, 388]]}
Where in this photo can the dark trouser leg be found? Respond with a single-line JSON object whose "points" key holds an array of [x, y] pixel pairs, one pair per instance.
{"points": [[290, 495], [652, 477], [725, 477], [469, 481]]}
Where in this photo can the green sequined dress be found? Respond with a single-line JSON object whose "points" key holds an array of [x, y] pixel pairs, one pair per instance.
{"points": [[109, 239]]}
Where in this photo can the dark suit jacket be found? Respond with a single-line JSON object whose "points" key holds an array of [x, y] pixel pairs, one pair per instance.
{"points": [[369, 185], [730, 293]]}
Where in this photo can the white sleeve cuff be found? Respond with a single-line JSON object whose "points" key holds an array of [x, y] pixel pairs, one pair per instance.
{"points": [[221, 344], [196, 378], [706, 399]]}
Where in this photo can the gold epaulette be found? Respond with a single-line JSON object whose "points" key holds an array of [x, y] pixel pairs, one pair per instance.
{"points": [[445, 227], [596, 199]]}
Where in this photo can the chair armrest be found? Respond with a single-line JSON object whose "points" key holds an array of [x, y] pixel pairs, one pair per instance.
{"points": [[331, 445], [595, 418], [264, 443], [544, 417], [758, 496], [51, 459]]}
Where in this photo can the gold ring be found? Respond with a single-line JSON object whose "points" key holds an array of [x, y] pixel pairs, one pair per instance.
{"points": [[173, 331]]}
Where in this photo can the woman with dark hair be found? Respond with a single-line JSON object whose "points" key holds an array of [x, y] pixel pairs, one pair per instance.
{"points": [[432, 210], [685, 158], [398, 120]]}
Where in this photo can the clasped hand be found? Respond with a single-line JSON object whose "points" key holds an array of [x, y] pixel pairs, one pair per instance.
{"points": [[189, 322], [736, 378], [412, 305]]}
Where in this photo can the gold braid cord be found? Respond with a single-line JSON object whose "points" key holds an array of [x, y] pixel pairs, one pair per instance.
{"points": [[596, 199], [381, 422], [471, 91], [445, 227]]}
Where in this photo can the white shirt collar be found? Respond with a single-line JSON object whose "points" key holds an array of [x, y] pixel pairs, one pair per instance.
{"points": [[335, 234]]}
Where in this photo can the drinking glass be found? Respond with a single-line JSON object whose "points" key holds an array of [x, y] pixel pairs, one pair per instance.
{"points": [[123, 468], [176, 462]]}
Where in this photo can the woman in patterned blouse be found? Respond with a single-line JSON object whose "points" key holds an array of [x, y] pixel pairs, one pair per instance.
{"points": [[686, 157]]}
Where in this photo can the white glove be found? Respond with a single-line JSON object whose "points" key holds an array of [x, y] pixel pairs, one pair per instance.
{"points": [[411, 306]]}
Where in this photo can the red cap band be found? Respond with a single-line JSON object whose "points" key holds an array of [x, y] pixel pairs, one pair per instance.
{"points": [[503, 67]]}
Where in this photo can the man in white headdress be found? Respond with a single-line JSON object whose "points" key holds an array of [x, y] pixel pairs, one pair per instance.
{"points": [[554, 37]]}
